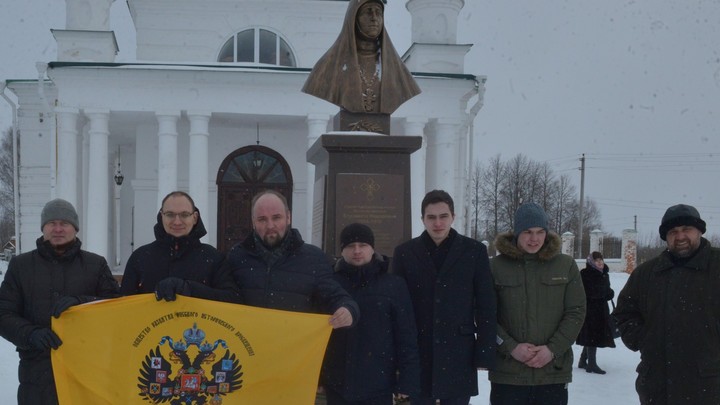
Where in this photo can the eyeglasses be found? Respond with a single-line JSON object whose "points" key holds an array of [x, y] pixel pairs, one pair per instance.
{"points": [[172, 215]]}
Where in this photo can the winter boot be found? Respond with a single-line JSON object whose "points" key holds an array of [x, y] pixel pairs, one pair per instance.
{"points": [[592, 366], [583, 358]]}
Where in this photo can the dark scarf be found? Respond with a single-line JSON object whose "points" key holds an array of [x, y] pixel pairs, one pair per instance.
{"points": [[271, 255], [438, 253], [360, 276]]}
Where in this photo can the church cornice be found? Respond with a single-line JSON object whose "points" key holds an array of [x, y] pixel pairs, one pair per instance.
{"points": [[221, 67]]}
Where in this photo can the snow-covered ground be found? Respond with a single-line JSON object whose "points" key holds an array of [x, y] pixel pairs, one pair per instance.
{"points": [[615, 387]]}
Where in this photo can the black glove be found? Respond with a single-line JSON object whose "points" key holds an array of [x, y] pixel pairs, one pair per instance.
{"points": [[63, 304], [168, 288], [44, 338]]}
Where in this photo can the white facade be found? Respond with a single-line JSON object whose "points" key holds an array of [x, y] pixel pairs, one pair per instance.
{"points": [[175, 115]]}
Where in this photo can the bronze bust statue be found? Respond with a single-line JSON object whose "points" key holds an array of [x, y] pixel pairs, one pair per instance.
{"points": [[362, 72]]}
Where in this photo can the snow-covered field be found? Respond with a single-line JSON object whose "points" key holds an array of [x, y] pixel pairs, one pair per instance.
{"points": [[615, 387]]}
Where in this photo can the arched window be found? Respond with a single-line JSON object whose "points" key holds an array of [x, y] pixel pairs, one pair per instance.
{"points": [[258, 46]]}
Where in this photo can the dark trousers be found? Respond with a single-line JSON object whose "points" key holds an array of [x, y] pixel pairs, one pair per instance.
{"points": [[334, 398], [443, 401], [551, 394]]}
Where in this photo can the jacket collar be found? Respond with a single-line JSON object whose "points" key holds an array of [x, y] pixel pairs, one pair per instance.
{"points": [[505, 244], [46, 250], [699, 261], [293, 241]]}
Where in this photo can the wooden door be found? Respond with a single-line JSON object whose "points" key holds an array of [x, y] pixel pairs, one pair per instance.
{"points": [[244, 173]]}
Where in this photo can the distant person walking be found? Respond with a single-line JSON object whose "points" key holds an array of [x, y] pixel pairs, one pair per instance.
{"points": [[669, 310], [596, 330]]}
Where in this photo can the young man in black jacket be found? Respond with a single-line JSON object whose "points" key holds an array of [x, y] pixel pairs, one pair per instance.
{"points": [[449, 279]]}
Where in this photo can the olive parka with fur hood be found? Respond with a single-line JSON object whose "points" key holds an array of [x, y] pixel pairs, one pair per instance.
{"points": [[541, 301]]}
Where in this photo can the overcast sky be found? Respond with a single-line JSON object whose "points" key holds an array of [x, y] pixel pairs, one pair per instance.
{"points": [[635, 85]]}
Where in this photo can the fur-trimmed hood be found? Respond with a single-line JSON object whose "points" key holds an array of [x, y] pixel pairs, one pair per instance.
{"points": [[505, 244]]}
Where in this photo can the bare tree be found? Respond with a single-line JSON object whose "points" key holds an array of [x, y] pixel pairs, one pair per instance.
{"points": [[7, 206], [497, 189], [474, 196], [565, 197], [492, 180]]}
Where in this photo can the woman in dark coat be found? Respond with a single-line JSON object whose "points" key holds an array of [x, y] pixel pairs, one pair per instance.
{"points": [[595, 331], [378, 357], [176, 252]]}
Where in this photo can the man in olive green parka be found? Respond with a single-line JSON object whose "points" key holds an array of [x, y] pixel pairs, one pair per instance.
{"points": [[541, 308]]}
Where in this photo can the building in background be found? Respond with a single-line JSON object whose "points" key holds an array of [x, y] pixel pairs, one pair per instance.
{"points": [[213, 106]]}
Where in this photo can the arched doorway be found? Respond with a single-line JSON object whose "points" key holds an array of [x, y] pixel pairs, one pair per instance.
{"points": [[244, 173]]}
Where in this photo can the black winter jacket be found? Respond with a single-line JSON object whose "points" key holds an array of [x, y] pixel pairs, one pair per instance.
{"points": [[185, 257], [379, 355], [299, 280], [671, 313], [34, 282], [455, 312]]}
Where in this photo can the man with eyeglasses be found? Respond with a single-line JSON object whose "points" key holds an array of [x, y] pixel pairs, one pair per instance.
{"points": [[176, 252]]}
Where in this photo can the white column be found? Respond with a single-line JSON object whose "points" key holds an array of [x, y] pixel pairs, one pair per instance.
{"points": [[434, 22], [67, 155], [415, 126], [317, 126], [596, 241], [98, 204], [568, 244], [116, 220], [87, 15], [629, 250], [167, 153], [442, 165], [198, 159]]}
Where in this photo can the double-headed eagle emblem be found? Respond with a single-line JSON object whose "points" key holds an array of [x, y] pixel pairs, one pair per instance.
{"points": [[204, 380]]}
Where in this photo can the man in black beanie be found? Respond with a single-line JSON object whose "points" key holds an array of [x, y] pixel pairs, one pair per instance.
{"points": [[669, 310], [44, 283], [349, 375]]}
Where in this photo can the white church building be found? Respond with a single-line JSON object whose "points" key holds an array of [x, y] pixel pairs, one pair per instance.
{"points": [[212, 106]]}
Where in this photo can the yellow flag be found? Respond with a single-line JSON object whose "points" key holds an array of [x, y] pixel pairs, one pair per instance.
{"points": [[136, 350]]}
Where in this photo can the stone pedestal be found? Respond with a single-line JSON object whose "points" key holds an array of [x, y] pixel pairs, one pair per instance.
{"points": [[367, 122], [366, 179]]}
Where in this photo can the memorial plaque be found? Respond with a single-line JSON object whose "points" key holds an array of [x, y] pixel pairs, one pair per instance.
{"points": [[376, 200], [362, 178]]}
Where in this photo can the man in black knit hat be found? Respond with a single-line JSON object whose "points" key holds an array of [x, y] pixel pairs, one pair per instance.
{"points": [[387, 326], [669, 309]]}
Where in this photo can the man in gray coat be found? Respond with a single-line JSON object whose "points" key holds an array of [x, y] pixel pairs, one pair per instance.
{"points": [[669, 309]]}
